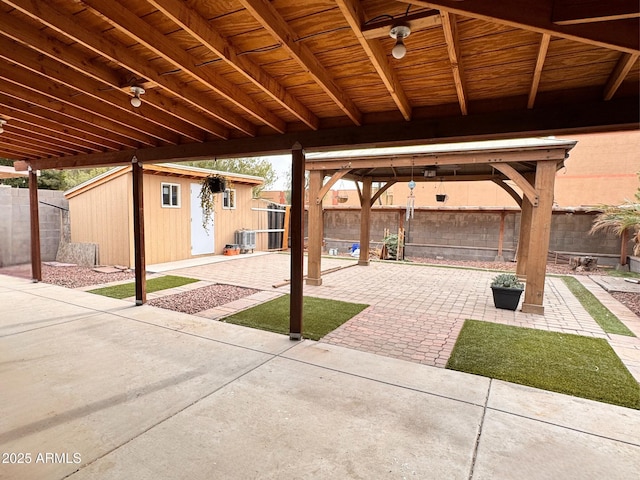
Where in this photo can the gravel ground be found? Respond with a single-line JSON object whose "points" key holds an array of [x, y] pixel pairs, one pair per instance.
{"points": [[210, 297], [200, 299]]}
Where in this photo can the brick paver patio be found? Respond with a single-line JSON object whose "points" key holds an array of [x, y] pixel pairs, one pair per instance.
{"points": [[416, 311]]}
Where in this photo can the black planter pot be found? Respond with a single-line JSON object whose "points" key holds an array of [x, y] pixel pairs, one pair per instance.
{"points": [[441, 197], [506, 298], [217, 185]]}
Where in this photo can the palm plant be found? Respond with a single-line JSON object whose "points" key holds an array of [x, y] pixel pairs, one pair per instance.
{"points": [[618, 219]]}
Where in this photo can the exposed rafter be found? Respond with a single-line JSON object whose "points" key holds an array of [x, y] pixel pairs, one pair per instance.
{"points": [[200, 29], [266, 14], [417, 21], [537, 72], [624, 65], [352, 11], [450, 29], [536, 17], [572, 12], [120, 17]]}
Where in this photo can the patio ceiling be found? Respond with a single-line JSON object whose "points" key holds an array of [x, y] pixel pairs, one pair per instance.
{"points": [[246, 77]]}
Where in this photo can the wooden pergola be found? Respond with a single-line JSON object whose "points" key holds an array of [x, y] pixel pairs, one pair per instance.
{"points": [[531, 165], [249, 77]]}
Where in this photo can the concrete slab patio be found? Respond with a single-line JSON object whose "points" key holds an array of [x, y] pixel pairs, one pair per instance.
{"points": [[113, 391]]}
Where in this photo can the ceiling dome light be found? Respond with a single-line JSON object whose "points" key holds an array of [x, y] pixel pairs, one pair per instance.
{"points": [[3, 122], [137, 91], [399, 32]]}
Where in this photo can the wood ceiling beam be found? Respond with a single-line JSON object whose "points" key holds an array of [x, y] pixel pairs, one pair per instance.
{"points": [[572, 12], [353, 13], [31, 128], [536, 17], [443, 178], [450, 30], [122, 19], [268, 16], [200, 29], [46, 150], [22, 84], [619, 73], [585, 117], [24, 149], [417, 21], [52, 115], [138, 66], [112, 104], [20, 130], [537, 72], [73, 58]]}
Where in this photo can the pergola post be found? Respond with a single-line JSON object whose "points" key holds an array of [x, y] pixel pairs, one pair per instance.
{"points": [[522, 256], [138, 232], [297, 241], [314, 258], [365, 221], [539, 237], [36, 260]]}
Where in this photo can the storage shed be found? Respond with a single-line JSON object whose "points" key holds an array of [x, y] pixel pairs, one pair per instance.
{"points": [[101, 212]]}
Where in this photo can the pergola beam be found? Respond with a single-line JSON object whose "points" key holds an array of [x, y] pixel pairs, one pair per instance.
{"points": [[619, 73], [537, 72], [573, 12], [450, 30], [520, 181], [327, 186]]}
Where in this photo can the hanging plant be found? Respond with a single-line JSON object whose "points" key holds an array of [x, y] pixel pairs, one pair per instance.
{"points": [[210, 186]]}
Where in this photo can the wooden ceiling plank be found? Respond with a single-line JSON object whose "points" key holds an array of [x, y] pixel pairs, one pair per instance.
{"points": [[536, 16], [25, 148], [31, 128], [24, 85], [572, 12], [148, 121], [200, 29], [453, 49], [73, 58], [136, 28], [57, 121], [418, 21], [269, 17], [542, 55], [130, 61], [619, 73], [353, 13], [21, 139]]}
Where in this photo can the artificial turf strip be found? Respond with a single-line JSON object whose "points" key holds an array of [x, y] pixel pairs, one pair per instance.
{"points": [[601, 314], [580, 366], [320, 316], [153, 285]]}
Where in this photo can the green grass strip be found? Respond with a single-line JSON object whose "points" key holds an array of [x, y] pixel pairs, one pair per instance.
{"points": [[601, 314], [153, 285], [320, 316], [580, 366]]}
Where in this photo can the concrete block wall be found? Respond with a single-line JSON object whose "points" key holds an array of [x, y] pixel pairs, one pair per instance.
{"points": [[15, 226], [468, 235]]}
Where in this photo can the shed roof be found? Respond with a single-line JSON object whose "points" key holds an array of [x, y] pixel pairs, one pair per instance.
{"points": [[169, 170]]}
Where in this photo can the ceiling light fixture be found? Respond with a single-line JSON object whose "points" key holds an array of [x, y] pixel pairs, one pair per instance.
{"points": [[399, 32], [137, 91], [3, 122]]}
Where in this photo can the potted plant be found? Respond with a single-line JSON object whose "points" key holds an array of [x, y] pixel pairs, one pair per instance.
{"points": [[507, 289], [441, 197], [210, 186]]}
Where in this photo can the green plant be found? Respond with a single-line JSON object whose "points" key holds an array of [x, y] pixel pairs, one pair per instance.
{"points": [[618, 219], [210, 186], [391, 243], [507, 280]]}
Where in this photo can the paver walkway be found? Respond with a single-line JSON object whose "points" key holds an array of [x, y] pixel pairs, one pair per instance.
{"points": [[416, 311]]}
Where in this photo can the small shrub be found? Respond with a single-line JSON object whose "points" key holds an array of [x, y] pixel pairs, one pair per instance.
{"points": [[507, 280]]}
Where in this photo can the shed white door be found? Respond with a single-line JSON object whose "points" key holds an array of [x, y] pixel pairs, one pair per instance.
{"points": [[202, 242]]}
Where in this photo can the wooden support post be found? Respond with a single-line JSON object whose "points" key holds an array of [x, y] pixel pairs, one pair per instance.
{"points": [[36, 260], [365, 221], [285, 234], [297, 242], [500, 256], [314, 258], [138, 232], [539, 239], [522, 257]]}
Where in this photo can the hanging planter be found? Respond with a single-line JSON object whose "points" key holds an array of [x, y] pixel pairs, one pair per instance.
{"points": [[210, 186], [441, 197], [342, 198]]}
